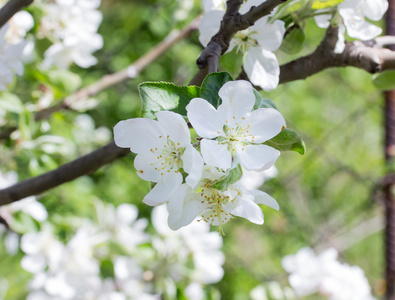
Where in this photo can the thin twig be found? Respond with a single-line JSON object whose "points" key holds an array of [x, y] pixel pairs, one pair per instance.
{"points": [[11, 8], [128, 73]]}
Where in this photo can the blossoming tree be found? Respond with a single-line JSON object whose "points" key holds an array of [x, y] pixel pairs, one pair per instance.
{"points": [[202, 131]]}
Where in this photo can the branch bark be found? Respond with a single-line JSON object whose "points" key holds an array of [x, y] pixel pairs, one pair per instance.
{"points": [[231, 23], [363, 55], [70, 171], [11, 8]]}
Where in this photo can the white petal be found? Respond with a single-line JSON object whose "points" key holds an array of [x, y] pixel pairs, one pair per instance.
{"points": [[266, 123], [163, 189], [34, 263], [23, 19], [322, 21], [139, 134], [258, 157], [357, 26], [183, 207], [204, 118], [35, 209], [238, 99], [212, 5], [340, 44], [269, 35], [215, 154], [374, 9], [261, 197], [262, 68], [246, 6], [145, 165], [193, 165], [246, 209], [174, 126], [209, 25]]}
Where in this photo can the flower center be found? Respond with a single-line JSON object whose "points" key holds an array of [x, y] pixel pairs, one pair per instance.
{"points": [[236, 136], [215, 214], [245, 39], [168, 158]]}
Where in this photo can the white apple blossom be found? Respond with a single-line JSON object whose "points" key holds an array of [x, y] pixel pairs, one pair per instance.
{"points": [[216, 207], [257, 43], [29, 206], [234, 131], [163, 148], [10, 59], [354, 14], [194, 241], [72, 26], [252, 180], [311, 273]]}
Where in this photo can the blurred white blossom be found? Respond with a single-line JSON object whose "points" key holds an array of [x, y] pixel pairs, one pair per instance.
{"points": [[256, 43], [29, 206], [72, 26], [252, 180], [10, 59], [311, 273], [353, 19]]}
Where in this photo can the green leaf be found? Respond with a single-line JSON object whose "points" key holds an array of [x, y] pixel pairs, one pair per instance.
{"points": [[158, 96], [65, 81], [293, 41], [385, 80], [233, 176], [262, 102], [287, 139], [289, 8], [212, 84], [10, 102]]}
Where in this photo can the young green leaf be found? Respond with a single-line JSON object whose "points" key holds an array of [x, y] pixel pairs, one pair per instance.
{"points": [[385, 80], [262, 102], [157, 96], [212, 84], [293, 41], [233, 176], [287, 139]]}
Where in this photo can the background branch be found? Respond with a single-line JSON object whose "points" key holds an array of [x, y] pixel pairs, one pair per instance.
{"points": [[113, 79], [11, 8], [70, 171], [131, 71]]}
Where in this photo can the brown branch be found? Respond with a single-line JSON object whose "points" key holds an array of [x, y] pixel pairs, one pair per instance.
{"points": [[363, 55], [231, 23], [70, 171], [130, 72], [11, 8]]}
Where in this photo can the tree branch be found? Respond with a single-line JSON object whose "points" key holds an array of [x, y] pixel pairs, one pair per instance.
{"points": [[231, 23], [11, 8], [363, 55], [70, 171]]}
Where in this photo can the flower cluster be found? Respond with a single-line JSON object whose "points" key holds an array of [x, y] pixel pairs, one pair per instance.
{"points": [[205, 184], [72, 27], [311, 273], [12, 46], [353, 15], [256, 43], [137, 265]]}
